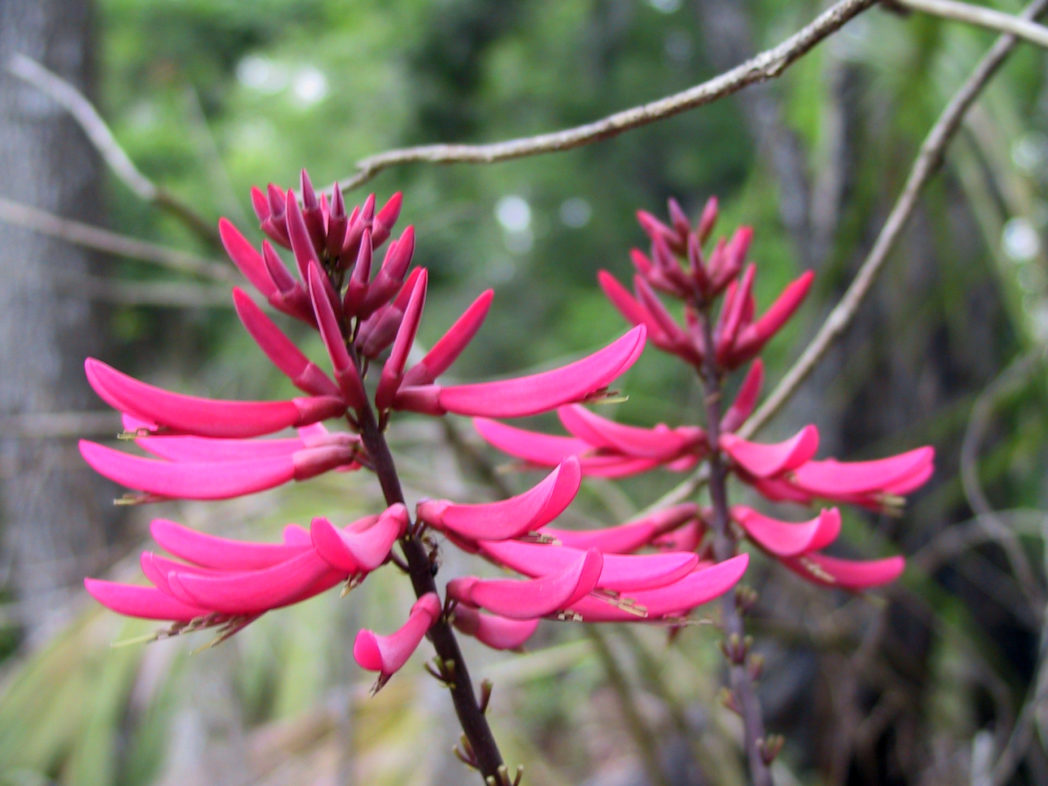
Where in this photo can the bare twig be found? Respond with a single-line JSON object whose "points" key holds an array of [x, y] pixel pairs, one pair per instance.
{"points": [[87, 117], [167, 294], [981, 17], [1014, 376], [99, 239], [767, 65], [929, 159]]}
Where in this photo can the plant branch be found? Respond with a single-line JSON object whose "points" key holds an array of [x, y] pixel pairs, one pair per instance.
{"points": [[769, 64], [98, 239], [420, 569], [101, 137], [981, 17], [928, 162], [743, 691]]}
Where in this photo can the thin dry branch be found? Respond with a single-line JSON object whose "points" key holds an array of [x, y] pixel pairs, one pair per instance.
{"points": [[99, 239], [767, 65], [87, 117], [928, 161], [981, 17]]}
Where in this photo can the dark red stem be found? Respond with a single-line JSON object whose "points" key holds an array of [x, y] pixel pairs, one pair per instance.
{"points": [[421, 569], [725, 546]]}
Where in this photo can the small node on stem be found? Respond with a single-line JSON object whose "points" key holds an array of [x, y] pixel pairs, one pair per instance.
{"points": [[519, 776], [736, 648], [469, 760], [486, 687], [755, 665], [727, 698], [745, 599], [770, 747], [502, 773]]}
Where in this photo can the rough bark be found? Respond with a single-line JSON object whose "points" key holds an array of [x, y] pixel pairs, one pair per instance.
{"points": [[55, 515]]}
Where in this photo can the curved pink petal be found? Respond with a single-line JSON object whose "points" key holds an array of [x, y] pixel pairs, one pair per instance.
{"points": [[252, 592], [281, 350], [391, 274], [387, 654], [246, 258], [215, 480], [629, 536], [393, 369], [451, 344], [763, 461], [143, 602], [508, 518], [687, 537], [157, 569], [201, 416], [785, 539], [210, 480], [738, 296], [531, 598], [620, 573], [845, 573], [660, 442], [756, 335], [533, 394], [830, 478], [212, 450], [674, 334], [212, 551], [298, 233], [616, 466], [497, 632], [346, 374], [387, 217], [698, 587], [746, 399], [631, 309], [532, 446], [355, 551]]}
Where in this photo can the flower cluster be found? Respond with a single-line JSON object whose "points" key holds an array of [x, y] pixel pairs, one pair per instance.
{"points": [[714, 344], [367, 316]]}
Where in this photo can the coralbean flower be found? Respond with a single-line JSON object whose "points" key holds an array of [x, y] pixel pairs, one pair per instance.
{"points": [[367, 316], [228, 583], [786, 471]]}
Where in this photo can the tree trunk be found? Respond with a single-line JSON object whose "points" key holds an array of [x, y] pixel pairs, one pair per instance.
{"points": [[56, 515]]}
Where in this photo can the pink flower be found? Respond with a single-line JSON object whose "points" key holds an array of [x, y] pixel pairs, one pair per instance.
{"points": [[604, 448], [787, 472], [228, 583], [387, 654], [213, 456], [508, 518]]}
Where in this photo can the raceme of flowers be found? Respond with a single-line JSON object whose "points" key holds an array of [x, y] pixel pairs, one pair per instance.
{"points": [[367, 314], [784, 472]]}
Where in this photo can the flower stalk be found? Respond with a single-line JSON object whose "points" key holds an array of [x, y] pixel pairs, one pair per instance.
{"points": [[740, 671], [482, 749]]}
